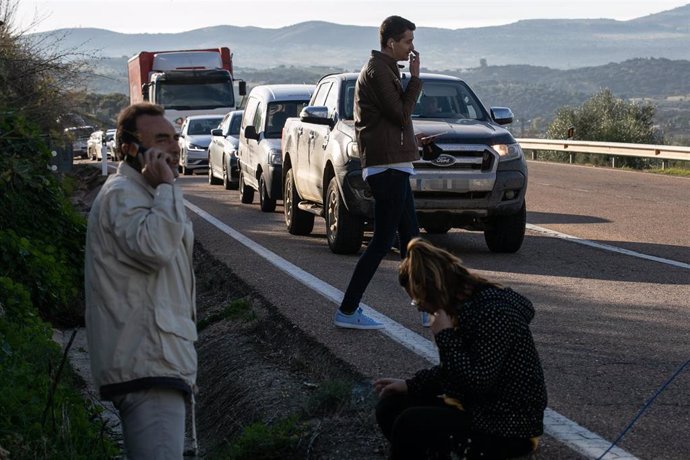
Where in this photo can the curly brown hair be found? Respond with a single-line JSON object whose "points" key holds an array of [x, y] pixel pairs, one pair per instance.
{"points": [[436, 279]]}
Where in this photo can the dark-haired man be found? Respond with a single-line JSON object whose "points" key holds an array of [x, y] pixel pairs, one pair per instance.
{"points": [[387, 146], [139, 283]]}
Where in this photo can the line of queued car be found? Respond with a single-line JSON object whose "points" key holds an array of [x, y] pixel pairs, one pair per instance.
{"points": [[97, 140], [243, 151]]}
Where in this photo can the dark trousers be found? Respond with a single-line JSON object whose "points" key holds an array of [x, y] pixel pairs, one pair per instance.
{"points": [[426, 428], [393, 211]]}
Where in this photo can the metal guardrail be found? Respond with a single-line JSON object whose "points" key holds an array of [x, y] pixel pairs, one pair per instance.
{"points": [[662, 152]]}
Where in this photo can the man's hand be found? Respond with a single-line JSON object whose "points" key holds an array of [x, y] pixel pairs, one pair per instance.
{"points": [[158, 167], [414, 63]]}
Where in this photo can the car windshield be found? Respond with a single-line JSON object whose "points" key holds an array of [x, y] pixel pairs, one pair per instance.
{"points": [[203, 125], [278, 112], [185, 96], [235, 124]]}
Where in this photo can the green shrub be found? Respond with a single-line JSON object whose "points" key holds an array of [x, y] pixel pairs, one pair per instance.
{"points": [[45, 271], [236, 309], [30, 425], [329, 398], [260, 441], [45, 233]]}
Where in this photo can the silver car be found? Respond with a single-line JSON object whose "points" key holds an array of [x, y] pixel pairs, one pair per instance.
{"points": [[222, 151], [195, 137]]}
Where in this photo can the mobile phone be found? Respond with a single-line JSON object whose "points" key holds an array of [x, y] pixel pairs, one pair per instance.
{"points": [[137, 162], [413, 57]]}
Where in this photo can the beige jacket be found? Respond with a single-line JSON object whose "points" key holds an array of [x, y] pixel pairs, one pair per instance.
{"points": [[139, 282]]}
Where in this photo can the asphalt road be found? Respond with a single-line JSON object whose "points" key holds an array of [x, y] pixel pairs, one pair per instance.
{"points": [[611, 327]]}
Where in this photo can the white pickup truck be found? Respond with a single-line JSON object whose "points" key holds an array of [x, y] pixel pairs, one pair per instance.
{"points": [[477, 183]]}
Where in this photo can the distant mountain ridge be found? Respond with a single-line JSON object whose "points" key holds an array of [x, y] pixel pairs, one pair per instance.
{"points": [[555, 43]]}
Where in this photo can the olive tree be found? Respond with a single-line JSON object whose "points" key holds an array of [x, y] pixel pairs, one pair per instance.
{"points": [[39, 79], [606, 118]]}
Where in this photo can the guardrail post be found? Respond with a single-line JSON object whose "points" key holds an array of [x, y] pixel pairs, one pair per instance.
{"points": [[534, 154], [571, 158], [613, 162], [663, 165]]}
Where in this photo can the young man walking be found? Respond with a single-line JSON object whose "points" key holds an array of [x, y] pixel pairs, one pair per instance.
{"points": [[387, 146]]}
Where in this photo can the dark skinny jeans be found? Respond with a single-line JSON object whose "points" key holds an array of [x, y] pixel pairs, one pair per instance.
{"points": [[422, 428], [393, 211]]}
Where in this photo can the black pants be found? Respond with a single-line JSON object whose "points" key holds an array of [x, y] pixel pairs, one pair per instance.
{"points": [[427, 428]]}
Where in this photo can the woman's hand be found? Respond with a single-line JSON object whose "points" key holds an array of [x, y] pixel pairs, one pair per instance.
{"points": [[386, 386], [440, 321]]}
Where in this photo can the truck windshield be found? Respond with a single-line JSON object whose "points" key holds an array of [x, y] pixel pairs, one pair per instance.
{"points": [[189, 96], [439, 99], [447, 99]]}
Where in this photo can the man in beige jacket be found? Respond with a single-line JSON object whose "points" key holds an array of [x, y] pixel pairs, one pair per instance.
{"points": [[139, 281]]}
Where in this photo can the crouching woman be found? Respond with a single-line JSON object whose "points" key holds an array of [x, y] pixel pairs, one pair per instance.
{"points": [[486, 397]]}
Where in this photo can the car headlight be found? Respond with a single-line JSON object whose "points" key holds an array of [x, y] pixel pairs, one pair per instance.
{"points": [[508, 151], [353, 150], [191, 146], [274, 157]]}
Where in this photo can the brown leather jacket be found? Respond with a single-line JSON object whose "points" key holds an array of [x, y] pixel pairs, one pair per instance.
{"points": [[382, 113]]}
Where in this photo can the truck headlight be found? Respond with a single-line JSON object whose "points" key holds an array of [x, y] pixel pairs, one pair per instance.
{"points": [[353, 150], [274, 157], [508, 151]]}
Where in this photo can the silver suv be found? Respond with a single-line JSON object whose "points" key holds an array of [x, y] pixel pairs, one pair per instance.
{"points": [[260, 158]]}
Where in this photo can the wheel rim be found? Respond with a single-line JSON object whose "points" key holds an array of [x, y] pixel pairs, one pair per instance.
{"points": [[288, 199], [332, 215]]}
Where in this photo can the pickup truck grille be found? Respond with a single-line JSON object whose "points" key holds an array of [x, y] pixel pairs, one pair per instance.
{"points": [[471, 160]]}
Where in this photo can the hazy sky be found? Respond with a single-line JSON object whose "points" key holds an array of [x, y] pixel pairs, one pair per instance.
{"points": [[179, 15]]}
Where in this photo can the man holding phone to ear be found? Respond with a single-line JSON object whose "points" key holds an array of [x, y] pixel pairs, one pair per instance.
{"points": [[387, 146], [139, 286]]}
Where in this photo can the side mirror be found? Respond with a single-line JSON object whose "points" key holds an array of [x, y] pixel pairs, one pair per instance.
{"points": [[216, 132], [317, 115], [250, 133], [502, 115], [242, 85]]}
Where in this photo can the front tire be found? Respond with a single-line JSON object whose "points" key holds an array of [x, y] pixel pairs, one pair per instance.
{"points": [[344, 231], [226, 177], [246, 192], [506, 233], [212, 180], [298, 221], [266, 203]]}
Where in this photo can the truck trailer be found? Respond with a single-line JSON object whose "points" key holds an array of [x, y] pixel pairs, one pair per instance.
{"points": [[185, 82]]}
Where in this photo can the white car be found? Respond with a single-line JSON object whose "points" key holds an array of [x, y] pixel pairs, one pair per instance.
{"points": [[222, 151], [110, 142], [93, 145], [195, 136]]}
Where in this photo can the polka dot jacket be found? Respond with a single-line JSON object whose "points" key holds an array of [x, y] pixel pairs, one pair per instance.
{"points": [[491, 365]]}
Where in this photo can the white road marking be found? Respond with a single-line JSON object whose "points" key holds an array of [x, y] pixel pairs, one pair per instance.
{"points": [[557, 426], [606, 247]]}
